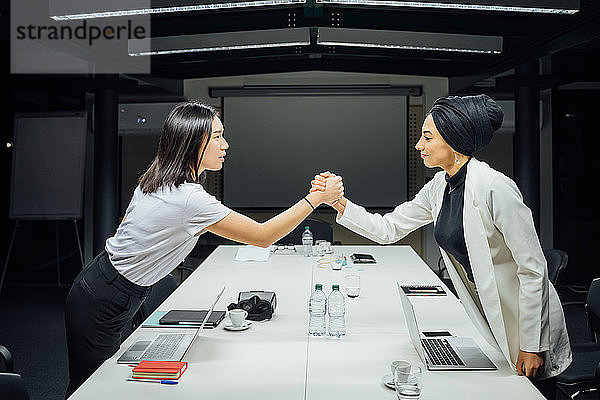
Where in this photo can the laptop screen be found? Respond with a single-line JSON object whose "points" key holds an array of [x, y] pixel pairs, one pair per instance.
{"points": [[411, 322]]}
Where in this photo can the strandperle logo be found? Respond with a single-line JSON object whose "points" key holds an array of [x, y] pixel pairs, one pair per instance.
{"points": [[84, 31]]}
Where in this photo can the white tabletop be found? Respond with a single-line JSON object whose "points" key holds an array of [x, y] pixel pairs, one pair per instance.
{"points": [[277, 359]]}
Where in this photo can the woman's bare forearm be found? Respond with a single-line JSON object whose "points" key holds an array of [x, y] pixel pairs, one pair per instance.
{"points": [[240, 228], [243, 229]]}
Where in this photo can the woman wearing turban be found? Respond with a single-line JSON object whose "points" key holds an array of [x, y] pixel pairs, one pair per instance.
{"points": [[486, 237]]}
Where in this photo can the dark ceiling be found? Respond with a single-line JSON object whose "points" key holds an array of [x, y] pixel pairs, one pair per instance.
{"points": [[572, 40], [568, 45]]}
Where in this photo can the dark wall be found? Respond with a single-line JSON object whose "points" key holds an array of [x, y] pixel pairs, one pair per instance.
{"points": [[576, 215]]}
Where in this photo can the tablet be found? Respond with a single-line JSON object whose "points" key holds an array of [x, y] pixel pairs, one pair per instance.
{"points": [[192, 317]]}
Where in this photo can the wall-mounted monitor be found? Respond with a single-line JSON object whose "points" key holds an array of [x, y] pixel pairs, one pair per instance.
{"points": [[278, 143]]}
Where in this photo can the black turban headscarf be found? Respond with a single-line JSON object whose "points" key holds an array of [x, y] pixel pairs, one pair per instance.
{"points": [[467, 123]]}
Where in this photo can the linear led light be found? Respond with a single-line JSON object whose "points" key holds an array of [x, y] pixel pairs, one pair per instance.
{"points": [[219, 41], [175, 9], [315, 90], [409, 40], [538, 7]]}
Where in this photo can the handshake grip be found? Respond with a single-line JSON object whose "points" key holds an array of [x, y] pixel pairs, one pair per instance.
{"points": [[328, 182]]}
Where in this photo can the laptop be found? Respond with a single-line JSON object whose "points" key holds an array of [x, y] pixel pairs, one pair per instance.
{"points": [[443, 353], [169, 346]]}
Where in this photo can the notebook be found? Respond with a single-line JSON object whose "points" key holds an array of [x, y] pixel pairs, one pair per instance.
{"points": [[153, 345], [443, 353], [148, 369]]}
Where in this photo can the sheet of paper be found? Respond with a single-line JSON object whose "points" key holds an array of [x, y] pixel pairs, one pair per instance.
{"points": [[252, 253]]}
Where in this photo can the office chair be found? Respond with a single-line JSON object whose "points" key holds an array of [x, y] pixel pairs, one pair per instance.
{"points": [[12, 386], [320, 230], [581, 375], [557, 261], [159, 293], [598, 380]]}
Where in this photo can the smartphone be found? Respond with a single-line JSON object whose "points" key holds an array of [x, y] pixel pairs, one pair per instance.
{"points": [[362, 258]]}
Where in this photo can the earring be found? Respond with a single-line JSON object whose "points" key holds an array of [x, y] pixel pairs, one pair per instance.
{"points": [[456, 159]]}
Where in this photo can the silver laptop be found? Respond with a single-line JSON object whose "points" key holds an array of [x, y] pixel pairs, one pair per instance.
{"points": [[443, 353], [168, 346]]}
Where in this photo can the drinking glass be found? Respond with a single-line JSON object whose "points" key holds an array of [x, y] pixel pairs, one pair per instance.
{"points": [[352, 284], [320, 246], [403, 365], [408, 383]]}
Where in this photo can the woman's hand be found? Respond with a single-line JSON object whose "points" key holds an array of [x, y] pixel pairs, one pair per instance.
{"points": [[530, 364], [318, 184], [330, 187]]}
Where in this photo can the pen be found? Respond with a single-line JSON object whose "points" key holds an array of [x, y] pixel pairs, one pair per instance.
{"points": [[161, 381]]}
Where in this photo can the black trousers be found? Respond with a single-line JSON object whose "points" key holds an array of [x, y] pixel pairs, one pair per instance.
{"points": [[547, 387], [99, 305]]}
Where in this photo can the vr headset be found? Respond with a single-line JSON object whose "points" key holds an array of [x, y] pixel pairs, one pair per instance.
{"points": [[259, 304]]}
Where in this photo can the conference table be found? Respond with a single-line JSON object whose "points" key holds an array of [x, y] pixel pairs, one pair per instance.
{"points": [[277, 359]]}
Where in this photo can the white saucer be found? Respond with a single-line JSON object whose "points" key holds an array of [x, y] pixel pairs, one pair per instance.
{"points": [[230, 327], [388, 381]]}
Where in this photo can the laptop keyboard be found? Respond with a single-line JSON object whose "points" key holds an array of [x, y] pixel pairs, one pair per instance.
{"points": [[440, 352], [163, 347]]}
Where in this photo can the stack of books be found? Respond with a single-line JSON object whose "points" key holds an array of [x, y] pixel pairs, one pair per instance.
{"points": [[159, 370]]}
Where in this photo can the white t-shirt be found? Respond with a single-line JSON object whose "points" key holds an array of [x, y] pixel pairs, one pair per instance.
{"points": [[160, 229]]}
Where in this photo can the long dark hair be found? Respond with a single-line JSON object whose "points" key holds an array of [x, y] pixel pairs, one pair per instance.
{"points": [[187, 126]]}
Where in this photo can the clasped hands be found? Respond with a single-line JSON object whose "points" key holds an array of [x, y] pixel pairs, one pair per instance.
{"points": [[327, 182]]}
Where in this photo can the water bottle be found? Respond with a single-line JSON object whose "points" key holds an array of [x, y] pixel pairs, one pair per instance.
{"points": [[307, 242], [317, 307], [336, 309]]}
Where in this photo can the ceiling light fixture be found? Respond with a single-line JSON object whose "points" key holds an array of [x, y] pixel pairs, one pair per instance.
{"points": [[70, 14], [220, 41], [403, 40], [523, 6]]}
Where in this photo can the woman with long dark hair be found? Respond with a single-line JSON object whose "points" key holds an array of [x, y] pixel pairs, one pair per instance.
{"points": [[168, 211], [486, 236]]}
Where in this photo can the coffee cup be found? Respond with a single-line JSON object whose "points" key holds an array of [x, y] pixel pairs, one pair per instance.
{"points": [[237, 316]]}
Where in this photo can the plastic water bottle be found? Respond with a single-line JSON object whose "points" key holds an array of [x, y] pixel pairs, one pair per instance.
{"points": [[337, 313], [317, 307], [307, 242]]}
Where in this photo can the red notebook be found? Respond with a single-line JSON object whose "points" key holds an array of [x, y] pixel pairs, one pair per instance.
{"points": [[159, 369]]}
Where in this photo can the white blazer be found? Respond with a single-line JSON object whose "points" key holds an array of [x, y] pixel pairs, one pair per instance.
{"points": [[522, 309]]}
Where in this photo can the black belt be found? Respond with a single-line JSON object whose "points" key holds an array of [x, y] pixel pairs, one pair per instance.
{"points": [[114, 278]]}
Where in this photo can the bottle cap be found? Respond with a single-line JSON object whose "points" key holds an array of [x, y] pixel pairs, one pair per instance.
{"points": [[335, 287], [318, 286]]}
